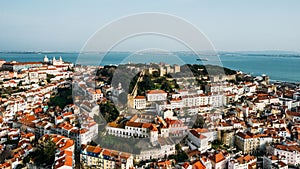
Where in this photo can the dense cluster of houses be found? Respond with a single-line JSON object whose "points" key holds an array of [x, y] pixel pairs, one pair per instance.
{"points": [[250, 118], [26, 116], [240, 121]]}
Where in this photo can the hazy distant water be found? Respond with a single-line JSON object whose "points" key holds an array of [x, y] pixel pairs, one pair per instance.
{"points": [[284, 68], [278, 67]]}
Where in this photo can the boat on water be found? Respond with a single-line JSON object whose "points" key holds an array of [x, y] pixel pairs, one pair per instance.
{"points": [[204, 59]]}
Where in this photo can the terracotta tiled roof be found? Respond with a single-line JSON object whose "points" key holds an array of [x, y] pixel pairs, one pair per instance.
{"points": [[282, 164], [217, 157], [98, 91], [90, 148], [153, 128], [139, 97], [198, 165], [202, 130], [186, 165], [197, 134], [274, 158], [290, 113], [156, 92], [106, 152], [146, 125], [243, 135], [22, 63], [248, 158], [125, 155], [134, 124]]}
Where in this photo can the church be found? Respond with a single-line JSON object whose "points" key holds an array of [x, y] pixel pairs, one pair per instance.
{"points": [[58, 62]]}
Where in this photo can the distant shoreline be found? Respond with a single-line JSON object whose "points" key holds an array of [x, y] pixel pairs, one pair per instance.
{"points": [[249, 53], [279, 67]]}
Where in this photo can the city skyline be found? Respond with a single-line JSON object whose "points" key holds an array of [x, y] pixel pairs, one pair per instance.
{"points": [[195, 84]]}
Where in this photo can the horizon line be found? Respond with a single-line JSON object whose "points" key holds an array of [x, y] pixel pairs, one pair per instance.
{"points": [[70, 51]]}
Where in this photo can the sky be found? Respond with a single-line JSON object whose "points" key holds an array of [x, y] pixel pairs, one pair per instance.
{"points": [[55, 25]]}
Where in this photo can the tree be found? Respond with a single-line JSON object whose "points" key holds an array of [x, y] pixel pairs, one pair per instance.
{"points": [[155, 74], [180, 156], [168, 75], [146, 84], [70, 69], [178, 147], [44, 155], [19, 166], [166, 86], [6, 154], [92, 143], [199, 122], [63, 98], [109, 111], [27, 158], [49, 76]]}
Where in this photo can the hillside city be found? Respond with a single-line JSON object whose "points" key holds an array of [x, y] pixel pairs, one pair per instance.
{"points": [[54, 114]]}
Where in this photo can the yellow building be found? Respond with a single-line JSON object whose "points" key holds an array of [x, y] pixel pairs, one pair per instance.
{"points": [[101, 158]]}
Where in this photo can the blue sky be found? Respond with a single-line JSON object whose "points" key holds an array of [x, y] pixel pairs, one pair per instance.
{"points": [[55, 25]]}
